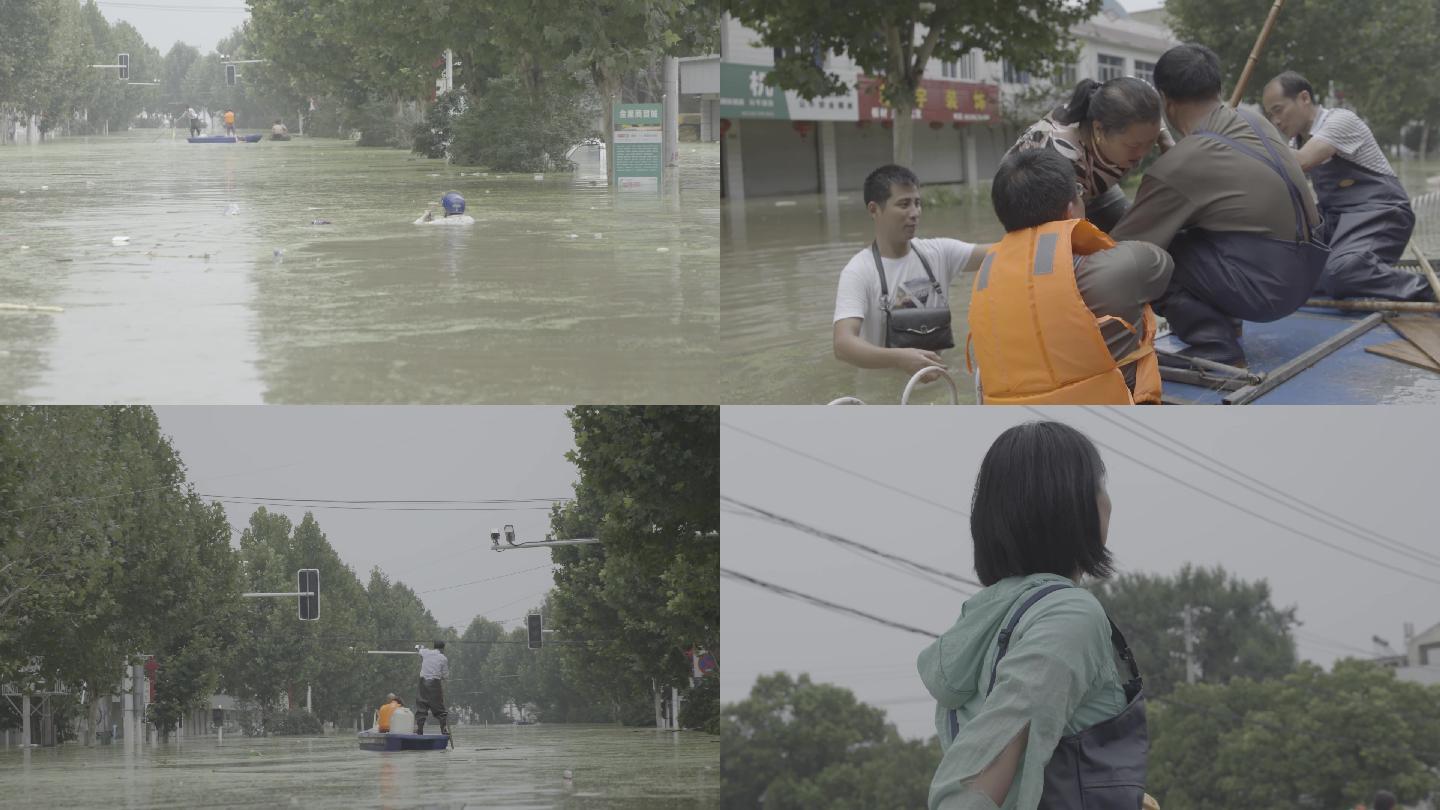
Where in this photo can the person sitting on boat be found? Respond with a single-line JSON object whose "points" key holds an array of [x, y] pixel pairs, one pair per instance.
{"points": [[392, 702], [1230, 204], [1060, 312], [892, 307], [1368, 219], [194, 119], [229, 122], [1106, 130], [434, 669], [279, 131], [454, 206]]}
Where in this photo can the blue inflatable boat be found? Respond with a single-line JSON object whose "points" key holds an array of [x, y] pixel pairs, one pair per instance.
{"points": [[375, 741], [225, 139]]}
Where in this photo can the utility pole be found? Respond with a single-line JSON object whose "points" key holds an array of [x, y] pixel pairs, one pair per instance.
{"points": [[1192, 667]]}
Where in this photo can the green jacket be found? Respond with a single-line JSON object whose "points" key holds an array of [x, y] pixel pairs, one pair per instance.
{"points": [[1059, 676]]}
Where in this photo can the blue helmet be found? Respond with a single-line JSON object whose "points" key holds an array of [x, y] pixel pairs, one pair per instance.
{"points": [[454, 204]]}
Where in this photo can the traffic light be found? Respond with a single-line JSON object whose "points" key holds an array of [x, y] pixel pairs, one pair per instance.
{"points": [[533, 621], [123, 60], [230, 75], [309, 582]]}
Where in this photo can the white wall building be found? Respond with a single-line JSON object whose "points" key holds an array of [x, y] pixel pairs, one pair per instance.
{"points": [[773, 142]]}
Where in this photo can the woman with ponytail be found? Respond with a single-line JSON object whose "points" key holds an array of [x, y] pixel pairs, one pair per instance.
{"points": [[1105, 130]]}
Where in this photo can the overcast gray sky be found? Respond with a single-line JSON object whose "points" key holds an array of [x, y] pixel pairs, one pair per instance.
{"points": [[201, 23], [1373, 466], [393, 453]]}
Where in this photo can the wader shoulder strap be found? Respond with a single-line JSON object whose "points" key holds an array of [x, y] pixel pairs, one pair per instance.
{"points": [[1274, 162], [880, 268]]}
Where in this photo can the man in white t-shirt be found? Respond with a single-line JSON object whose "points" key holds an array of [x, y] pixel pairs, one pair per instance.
{"points": [[892, 196], [1368, 218]]}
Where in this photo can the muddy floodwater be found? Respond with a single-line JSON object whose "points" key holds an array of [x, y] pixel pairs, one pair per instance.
{"points": [[293, 272], [490, 766], [781, 263]]}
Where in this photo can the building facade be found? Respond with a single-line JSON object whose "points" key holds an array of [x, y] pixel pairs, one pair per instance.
{"points": [[968, 112]]}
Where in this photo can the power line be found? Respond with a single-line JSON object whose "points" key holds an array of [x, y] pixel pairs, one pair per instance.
{"points": [[382, 500], [1251, 512], [852, 473], [929, 574], [487, 579], [818, 602], [381, 508], [1335, 521]]}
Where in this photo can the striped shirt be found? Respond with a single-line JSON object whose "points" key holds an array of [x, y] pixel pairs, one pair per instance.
{"points": [[1352, 139]]}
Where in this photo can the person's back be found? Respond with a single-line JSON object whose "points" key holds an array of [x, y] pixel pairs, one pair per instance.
{"points": [[1225, 189], [1059, 313]]}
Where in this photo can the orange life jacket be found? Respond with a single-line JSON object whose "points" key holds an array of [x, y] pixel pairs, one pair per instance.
{"points": [[385, 712], [1036, 341], [229, 117]]}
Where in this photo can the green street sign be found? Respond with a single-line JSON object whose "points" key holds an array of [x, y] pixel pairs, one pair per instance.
{"points": [[638, 145]]}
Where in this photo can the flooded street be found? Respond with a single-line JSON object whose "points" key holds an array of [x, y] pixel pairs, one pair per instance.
{"points": [[490, 766], [292, 272], [782, 261]]}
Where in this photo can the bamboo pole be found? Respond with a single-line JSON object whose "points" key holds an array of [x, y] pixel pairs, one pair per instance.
{"points": [[1368, 305], [1255, 53], [1429, 271]]}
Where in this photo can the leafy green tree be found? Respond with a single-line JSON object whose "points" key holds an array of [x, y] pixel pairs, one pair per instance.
{"points": [[1240, 633], [1310, 739], [881, 38], [512, 129], [649, 490], [800, 744], [1337, 41]]}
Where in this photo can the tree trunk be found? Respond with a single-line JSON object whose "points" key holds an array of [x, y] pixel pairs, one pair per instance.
{"points": [[904, 133], [609, 89], [1424, 138]]}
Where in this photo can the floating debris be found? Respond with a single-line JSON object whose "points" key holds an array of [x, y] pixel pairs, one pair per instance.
{"points": [[574, 236], [120, 240], [232, 210], [320, 222], [662, 250]]}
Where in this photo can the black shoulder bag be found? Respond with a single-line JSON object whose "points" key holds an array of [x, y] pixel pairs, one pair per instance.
{"points": [[914, 327]]}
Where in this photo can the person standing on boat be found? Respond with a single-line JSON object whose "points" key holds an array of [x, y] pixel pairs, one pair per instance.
{"points": [[1031, 707], [194, 119], [230, 122], [1230, 204], [892, 309], [1368, 219], [434, 669], [1060, 312], [1105, 130]]}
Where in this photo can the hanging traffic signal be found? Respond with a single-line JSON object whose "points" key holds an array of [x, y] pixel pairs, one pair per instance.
{"points": [[309, 582], [123, 60], [536, 633], [230, 75]]}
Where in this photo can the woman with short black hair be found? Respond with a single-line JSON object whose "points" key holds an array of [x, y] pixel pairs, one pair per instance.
{"points": [[1039, 702], [1106, 130]]}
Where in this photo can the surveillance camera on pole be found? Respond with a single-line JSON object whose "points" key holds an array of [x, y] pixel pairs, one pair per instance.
{"points": [[510, 533]]}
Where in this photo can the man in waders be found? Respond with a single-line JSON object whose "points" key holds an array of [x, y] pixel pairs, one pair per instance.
{"points": [[892, 309], [1230, 204], [434, 669], [1060, 313], [1368, 219]]}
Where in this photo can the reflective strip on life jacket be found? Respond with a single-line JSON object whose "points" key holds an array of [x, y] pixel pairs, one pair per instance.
{"points": [[1035, 340]]}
